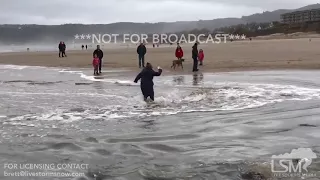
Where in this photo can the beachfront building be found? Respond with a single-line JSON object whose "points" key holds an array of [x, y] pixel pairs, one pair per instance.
{"points": [[298, 17]]}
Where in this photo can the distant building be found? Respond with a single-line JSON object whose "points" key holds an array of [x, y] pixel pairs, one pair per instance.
{"points": [[298, 17]]}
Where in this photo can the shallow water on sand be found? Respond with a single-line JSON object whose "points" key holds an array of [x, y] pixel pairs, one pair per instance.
{"points": [[202, 126]]}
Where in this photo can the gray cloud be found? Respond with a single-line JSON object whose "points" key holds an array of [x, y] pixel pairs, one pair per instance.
{"points": [[108, 11]]}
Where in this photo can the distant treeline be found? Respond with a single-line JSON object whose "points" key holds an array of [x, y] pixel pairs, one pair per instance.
{"points": [[10, 34], [261, 29], [56, 33]]}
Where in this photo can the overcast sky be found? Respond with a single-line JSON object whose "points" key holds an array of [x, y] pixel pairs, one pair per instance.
{"points": [[109, 11]]}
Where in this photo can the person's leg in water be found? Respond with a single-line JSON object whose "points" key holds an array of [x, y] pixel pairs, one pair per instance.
{"points": [[151, 95], [144, 93], [60, 53], [147, 91]]}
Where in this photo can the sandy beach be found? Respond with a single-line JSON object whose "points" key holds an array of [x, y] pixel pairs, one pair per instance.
{"points": [[230, 56]]}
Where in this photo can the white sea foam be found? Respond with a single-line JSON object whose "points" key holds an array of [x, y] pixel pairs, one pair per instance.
{"points": [[94, 78], [211, 96], [16, 67], [19, 67]]}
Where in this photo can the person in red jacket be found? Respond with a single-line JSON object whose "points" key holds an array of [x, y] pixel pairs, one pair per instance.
{"points": [[201, 57], [95, 63], [179, 52]]}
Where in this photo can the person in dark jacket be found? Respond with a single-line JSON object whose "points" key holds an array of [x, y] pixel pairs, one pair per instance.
{"points": [[60, 46], [195, 57], [141, 50], [146, 85], [99, 53], [64, 47]]}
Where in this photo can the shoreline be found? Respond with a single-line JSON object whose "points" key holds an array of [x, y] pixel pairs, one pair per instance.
{"points": [[172, 72]]}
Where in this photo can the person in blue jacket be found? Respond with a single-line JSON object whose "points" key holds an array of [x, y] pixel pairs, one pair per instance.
{"points": [[146, 76]]}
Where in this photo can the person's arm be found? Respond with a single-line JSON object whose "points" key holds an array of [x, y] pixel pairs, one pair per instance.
{"points": [[94, 52], [154, 73], [101, 54], [145, 50], [138, 77], [138, 49]]}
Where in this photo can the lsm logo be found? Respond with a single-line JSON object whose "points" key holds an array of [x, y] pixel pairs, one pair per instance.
{"points": [[294, 164]]}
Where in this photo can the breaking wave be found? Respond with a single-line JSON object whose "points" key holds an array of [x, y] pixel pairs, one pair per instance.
{"points": [[222, 97]]}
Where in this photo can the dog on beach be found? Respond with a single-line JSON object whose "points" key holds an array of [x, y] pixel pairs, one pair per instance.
{"points": [[177, 63]]}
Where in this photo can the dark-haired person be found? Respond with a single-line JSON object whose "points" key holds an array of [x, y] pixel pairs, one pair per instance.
{"points": [[179, 52], [99, 53], [146, 85], [141, 50], [64, 47], [60, 46], [195, 57]]}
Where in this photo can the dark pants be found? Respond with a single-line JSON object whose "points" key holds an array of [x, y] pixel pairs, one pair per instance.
{"points": [[147, 91], [64, 53], [195, 63], [61, 53], [100, 64], [141, 61]]}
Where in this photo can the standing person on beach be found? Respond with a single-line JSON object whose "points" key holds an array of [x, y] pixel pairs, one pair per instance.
{"points": [[141, 50], [95, 63], [195, 57], [179, 52], [201, 57], [64, 47], [99, 53], [146, 85], [60, 46], [86, 47]]}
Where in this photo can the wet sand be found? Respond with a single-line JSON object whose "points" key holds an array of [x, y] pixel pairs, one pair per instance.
{"points": [[232, 56]]}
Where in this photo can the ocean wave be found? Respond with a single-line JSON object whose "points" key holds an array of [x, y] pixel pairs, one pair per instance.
{"points": [[181, 100], [16, 67], [19, 67]]}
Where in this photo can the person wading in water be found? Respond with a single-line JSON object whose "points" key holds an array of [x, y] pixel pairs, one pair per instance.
{"points": [[146, 85]]}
